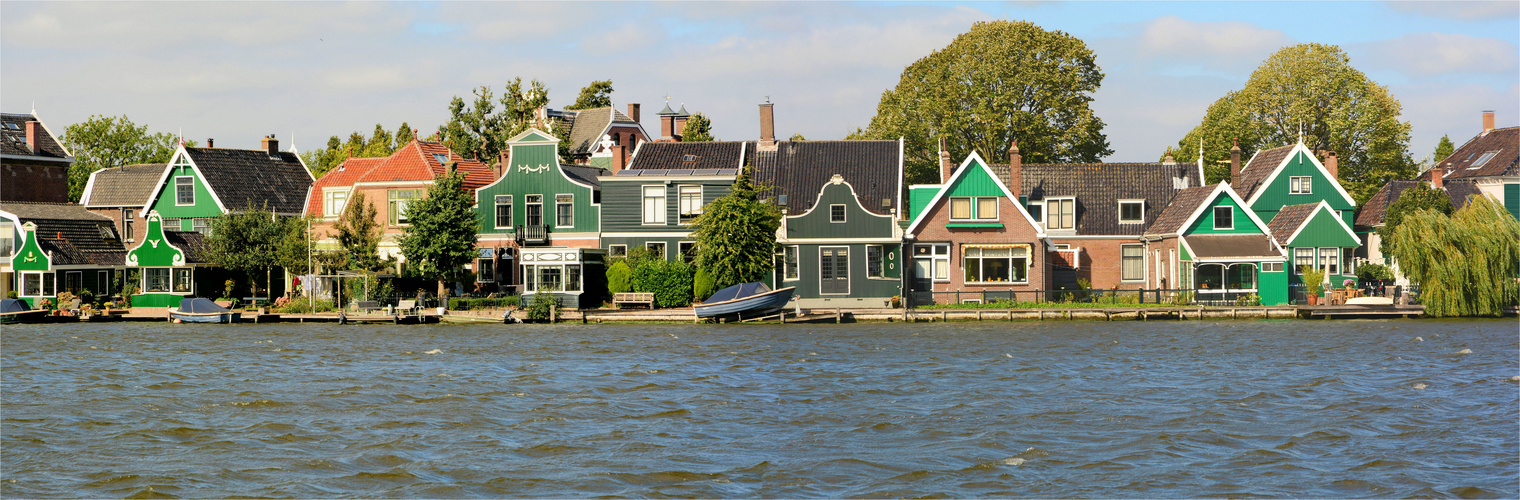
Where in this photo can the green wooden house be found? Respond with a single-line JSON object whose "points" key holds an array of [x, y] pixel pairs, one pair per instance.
{"points": [[1315, 236], [1219, 247], [171, 266], [1292, 175], [652, 203], [537, 202], [50, 248]]}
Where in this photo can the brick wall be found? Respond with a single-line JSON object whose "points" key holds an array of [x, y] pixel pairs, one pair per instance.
{"points": [[34, 182], [1015, 229]]}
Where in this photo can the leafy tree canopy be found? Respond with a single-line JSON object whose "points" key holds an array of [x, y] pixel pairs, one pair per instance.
{"points": [[440, 237], [1001, 81], [380, 143], [596, 95], [1413, 199], [698, 129], [359, 234], [480, 130], [798, 137], [736, 235], [294, 247], [1310, 88], [110, 141], [246, 240], [1443, 149]]}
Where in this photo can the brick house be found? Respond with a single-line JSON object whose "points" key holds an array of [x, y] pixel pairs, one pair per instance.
{"points": [[34, 166]]}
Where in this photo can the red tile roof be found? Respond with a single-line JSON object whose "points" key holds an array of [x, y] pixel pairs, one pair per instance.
{"points": [[344, 175], [417, 162]]}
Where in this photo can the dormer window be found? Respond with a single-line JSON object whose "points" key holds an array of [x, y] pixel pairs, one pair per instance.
{"points": [[690, 158], [1061, 213], [1131, 211]]}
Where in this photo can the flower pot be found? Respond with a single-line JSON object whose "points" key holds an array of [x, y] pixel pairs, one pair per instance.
{"points": [[1313, 300]]}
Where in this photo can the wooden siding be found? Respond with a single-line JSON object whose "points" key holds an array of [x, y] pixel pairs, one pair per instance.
{"points": [[623, 202], [1276, 195], [535, 170], [1242, 223], [1323, 231], [861, 286], [977, 182], [164, 200], [858, 222]]}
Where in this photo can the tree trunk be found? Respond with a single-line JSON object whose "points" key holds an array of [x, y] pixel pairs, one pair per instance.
{"points": [[443, 293]]}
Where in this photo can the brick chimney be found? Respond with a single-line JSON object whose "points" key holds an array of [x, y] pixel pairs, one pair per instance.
{"points": [[619, 158], [945, 168], [1168, 160], [1436, 175], [633, 111], [1332, 163], [667, 124], [1488, 121], [1234, 160], [210, 142], [271, 145], [680, 125], [1015, 169], [767, 123], [33, 134], [503, 159]]}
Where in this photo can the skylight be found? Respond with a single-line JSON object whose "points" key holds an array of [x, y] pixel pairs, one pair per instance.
{"points": [[442, 160], [1482, 160]]}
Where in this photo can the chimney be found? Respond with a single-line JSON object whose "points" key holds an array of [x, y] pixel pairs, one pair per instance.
{"points": [[33, 134], [1436, 175], [945, 168], [619, 158], [1332, 163], [271, 145], [1488, 121], [633, 111], [1168, 160], [1015, 169], [767, 122], [210, 142], [1234, 160], [680, 124]]}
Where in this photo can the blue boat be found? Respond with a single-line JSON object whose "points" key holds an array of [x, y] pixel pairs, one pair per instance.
{"points": [[746, 300], [203, 311], [17, 311]]}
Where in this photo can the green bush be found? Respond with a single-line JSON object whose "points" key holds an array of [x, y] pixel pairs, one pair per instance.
{"points": [[301, 306], [465, 304], [11, 294], [671, 282], [1314, 279], [703, 284], [543, 304], [1369, 272], [618, 277]]}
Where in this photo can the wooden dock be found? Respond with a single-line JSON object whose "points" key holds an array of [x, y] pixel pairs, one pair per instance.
{"points": [[1360, 311]]}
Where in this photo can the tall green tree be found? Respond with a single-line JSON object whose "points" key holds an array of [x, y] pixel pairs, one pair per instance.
{"points": [[1413, 199], [1443, 149], [110, 141], [359, 234], [596, 95], [380, 143], [736, 235], [1000, 81], [246, 240], [1309, 89], [295, 246], [698, 129], [440, 239], [480, 130], [1466, 264]]}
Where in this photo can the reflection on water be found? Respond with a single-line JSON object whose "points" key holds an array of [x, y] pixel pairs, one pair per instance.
{"points": [[1062, 409]]}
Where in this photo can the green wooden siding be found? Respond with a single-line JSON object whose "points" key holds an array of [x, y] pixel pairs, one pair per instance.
{"points": [[858, 223], [861, 285], [534, 170], [1242, 223], [977, 182], [155, 251], [1323, 231], [623, 202], [1276, 195], [1512, 199], [30, 257], [918, 199], [164, 201]]}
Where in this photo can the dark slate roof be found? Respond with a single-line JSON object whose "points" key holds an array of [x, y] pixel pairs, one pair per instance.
{"points": [[244, 177], [1504, 142], [72, 234], [1375, 210], [687, 155], [1182, 206], [584, 174], [1459, 191], [799, 170], [1098, 187], [13, 138], [193, 243], [128, 186], [704, 172], [1255, 171], [1223, 246], [1289, 219]]}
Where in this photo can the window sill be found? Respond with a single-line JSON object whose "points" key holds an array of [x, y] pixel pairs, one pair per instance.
{"points": [[974, 224], [995, 283]]}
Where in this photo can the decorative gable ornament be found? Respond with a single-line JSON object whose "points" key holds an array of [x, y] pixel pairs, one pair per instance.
{"points": [[155, 250], [30, 256]]}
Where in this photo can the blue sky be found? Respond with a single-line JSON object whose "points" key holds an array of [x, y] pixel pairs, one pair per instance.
{"points": [[237, 71]]}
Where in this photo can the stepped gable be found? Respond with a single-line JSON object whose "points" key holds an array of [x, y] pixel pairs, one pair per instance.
{"points": [[128, 186], [13, 142], [254, 177], [423, 160], [1255, 171], [799, 170], [1177, 212], [1289, 219], [1098, 187], [343, 175], [1465, 160], [72, 234], [687, 155]]}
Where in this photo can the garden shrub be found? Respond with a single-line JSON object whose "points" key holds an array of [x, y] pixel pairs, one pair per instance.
{"points": [[543, 305], [465, 304], [671, 282], [618, 277], [703, 284]]}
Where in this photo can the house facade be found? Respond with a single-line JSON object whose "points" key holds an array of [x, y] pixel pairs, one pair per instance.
{"points": [[34, 166], [119, 194], [172, 266], [49, 248], [1208, 239], [1314, 236], [652, 203]]}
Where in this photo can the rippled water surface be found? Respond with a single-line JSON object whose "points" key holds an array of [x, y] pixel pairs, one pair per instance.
{"points": [[1056, 409]]}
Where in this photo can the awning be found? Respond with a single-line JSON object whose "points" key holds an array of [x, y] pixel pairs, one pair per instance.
{"points": [[1232, 246]]}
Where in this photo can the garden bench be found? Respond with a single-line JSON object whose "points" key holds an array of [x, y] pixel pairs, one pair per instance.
{"points": [[408, 306], [367, 305], [646, 298]]}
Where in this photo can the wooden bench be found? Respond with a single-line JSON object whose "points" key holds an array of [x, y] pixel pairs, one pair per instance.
{"points": [[367, 305], [646, 298]]}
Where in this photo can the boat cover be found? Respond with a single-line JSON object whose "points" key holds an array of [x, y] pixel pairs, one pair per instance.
{"points": [[200, 306], [13, 305], [738, 291]]}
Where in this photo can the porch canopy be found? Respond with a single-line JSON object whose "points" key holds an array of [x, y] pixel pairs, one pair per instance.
{"points": [[1227, 263]]}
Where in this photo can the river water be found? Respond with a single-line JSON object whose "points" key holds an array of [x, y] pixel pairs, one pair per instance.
{"points": [[1054, 409]]}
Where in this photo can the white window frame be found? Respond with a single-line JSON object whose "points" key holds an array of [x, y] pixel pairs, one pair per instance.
{"points": [[983, 259], [790, 263], [168, 277], [1330, 258], [178, 185], [1060, 205], [939, 260], [45, 280], [188, 280], [654, 207], [561, 203], [528, 202], [1140, 257], [682, 252], [881, 266], [847, 284], [664, 248], [1303, 253], [976, 208], [334, 201], [1301, 184], [1231, 211], [970, 208], [613, 250], [500, 201], [689, 208], [1123, 220], [843, 213], [1271, 267]]}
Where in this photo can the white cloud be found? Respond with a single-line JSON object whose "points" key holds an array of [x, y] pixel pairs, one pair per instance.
{"points": [[1421, 55], [1437, 108], [1461, 11], [1226, 43], [388, 77]]}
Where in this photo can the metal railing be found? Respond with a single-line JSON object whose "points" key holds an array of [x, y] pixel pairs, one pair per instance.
{"points": [[1090, 297]]}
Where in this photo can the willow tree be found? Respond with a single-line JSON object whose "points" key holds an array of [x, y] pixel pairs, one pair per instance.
{"points": [[1466, 264], [736, 235], [1308, 90], [1001, 81]]}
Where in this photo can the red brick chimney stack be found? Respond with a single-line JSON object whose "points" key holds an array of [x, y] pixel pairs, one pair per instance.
{"points": [[271, 145], [1436, 177], [667, 128], [619, 158], [33, 134], [767, 123], [1235, 160], [945, 168], [1015, 168], [1333, 164], [210, 142], [633, 111], [1488, 121]]}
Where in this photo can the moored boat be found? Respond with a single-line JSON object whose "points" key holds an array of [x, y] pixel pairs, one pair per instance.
{"points": [[17, 311], [745, 300], [203, 311]]}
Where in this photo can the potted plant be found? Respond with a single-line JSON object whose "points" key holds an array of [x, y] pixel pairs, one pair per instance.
{"points": [[896, 301], [1314, 283]]}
